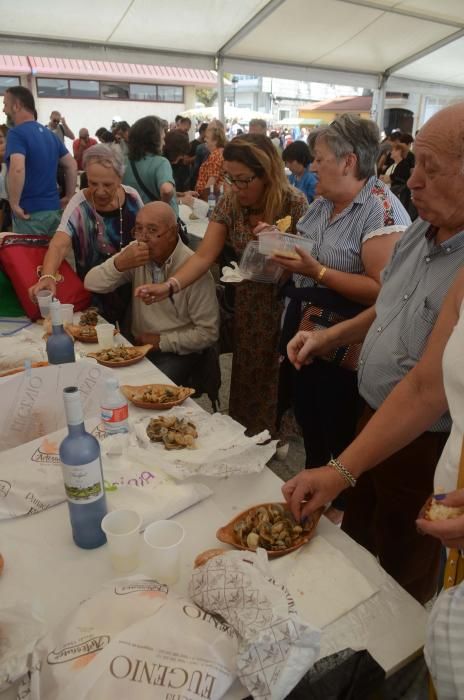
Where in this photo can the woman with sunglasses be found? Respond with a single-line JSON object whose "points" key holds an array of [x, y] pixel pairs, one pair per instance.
{"points": [[257, 191], [96, 223]]}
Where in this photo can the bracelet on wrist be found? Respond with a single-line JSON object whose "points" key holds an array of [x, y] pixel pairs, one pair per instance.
{"points": [[343, 471], [48, 277], [321, 274], [174, 284]]}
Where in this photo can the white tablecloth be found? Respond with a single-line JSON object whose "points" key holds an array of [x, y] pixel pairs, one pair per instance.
{"points": [[45, 568]]}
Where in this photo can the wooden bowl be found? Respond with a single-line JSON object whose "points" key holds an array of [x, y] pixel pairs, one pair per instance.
{"points": [[130, 391], [16, 370], [227, 535], [142, 351]]}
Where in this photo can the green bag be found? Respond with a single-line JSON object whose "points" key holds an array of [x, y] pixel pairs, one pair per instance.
{"points": [[9, 303]]}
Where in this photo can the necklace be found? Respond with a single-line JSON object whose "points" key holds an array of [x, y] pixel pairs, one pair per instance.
{"points": [[100, 230]]}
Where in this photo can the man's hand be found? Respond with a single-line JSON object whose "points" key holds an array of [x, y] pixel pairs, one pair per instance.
{"points": [[450, 532], [306, 345], [148, 339], [311, 489], [134, 255], [46, 283], [150, 293], [308, 266], [19, 213]]}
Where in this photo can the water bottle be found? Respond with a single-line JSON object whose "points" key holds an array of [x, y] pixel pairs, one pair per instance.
{"points": [[60, 347], [114, 408], [211, 201], [82, 473]]}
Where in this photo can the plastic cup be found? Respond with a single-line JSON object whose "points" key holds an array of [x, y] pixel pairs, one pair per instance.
{"points": [[44, 299], [67, 313], [163, 541], [122, 530], [105, 334]]}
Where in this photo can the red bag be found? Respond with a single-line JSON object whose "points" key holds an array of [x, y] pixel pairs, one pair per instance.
{"points": [[21, 255]]}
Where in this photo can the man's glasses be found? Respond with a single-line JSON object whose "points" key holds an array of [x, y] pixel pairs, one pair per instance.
{"points": [[240, 183], [55, 121], [141, 233]]}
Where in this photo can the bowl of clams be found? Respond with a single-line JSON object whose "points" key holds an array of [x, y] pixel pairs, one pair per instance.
{"points": [[271, 526]]}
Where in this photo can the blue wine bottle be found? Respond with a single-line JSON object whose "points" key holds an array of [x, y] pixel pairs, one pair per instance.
{"points": [[83, 477], [60, 347]]}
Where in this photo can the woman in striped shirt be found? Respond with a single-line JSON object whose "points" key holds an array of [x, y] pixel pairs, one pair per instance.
{"points": [[353, 225]]}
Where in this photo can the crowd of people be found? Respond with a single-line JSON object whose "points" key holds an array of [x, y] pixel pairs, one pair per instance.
{"points": [[353, 338]]}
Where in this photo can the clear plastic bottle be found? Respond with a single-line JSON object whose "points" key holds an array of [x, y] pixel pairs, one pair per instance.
{"points": [[211, 200], [114, 408], [83, 477], [60, 347]]}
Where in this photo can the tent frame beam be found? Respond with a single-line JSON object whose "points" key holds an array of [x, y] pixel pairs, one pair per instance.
{"points": [[404, 12], [425, 52], [248, 27]]}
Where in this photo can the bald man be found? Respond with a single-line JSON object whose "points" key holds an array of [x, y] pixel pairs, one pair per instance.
{"points": [[82, 144], [179, 328]]}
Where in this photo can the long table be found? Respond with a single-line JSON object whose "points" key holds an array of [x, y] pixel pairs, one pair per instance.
{"points": [[45, 568]]}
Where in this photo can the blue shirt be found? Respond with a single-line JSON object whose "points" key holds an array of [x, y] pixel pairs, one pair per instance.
{"points": [[306, 184], [42, 151]]}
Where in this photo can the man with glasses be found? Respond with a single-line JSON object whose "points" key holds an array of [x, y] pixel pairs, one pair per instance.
{"points": [[179, 328], [57, 125]]}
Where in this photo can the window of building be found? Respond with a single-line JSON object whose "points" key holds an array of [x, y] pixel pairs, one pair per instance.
{"points": [[89, 89], [170, 93], [142, 92], [52, 87], [114, 91], [7, 81]]}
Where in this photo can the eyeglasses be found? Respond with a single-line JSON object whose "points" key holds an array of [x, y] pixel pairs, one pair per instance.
{"points": [[55, 121], [148, 232], [241, 183]]}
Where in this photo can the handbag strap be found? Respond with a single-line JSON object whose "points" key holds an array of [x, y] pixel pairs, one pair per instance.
{"points": [[141, 184]]}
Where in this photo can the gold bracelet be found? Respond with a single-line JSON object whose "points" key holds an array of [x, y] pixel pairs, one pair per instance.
{"points": [[321, 274], [343, 471], [48, 277]]}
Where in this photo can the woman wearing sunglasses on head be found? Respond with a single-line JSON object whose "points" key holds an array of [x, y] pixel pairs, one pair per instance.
{"points": [[257, 191]]}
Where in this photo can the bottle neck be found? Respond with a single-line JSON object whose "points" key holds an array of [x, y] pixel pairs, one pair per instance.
{"points": [[76, 430], [57, 329]]}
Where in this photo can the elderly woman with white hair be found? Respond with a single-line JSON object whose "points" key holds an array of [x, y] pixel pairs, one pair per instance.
{"points": [[97, 221]]}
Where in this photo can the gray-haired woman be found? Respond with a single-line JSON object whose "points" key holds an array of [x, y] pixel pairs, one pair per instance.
{"points": [[353, 224], [97, 221]]}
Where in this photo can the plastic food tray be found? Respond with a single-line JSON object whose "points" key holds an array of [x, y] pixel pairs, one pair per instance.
{"points": [[271, 241], [257, 267]]}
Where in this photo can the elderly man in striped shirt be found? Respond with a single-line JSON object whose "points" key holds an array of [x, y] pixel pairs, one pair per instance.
{"points": [[381, 510]]}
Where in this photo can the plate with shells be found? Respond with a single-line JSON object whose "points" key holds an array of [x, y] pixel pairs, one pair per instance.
{"points": [[156, 396], [120, 355], [271, 526]]}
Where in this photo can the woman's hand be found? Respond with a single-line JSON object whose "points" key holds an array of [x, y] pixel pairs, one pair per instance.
{"points": [[311, 489], [188, 198], [151, 293], [262, 226], [451, 531], [308, 266], [47, 283]]}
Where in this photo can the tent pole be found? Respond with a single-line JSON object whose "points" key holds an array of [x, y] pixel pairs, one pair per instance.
{"points": [[379, 101], [220, 83]]}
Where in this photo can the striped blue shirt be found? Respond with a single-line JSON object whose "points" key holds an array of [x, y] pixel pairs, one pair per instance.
{"points": [[338, 243], [414, 285]]}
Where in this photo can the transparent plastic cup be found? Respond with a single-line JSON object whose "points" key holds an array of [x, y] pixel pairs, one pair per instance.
{"points": [[122, 530], [105, 334], [44, 299], [67, 313], [163, 540]]}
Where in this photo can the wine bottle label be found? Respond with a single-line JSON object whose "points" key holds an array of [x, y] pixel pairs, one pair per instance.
{"points": [[83, 483], [115, 415]]}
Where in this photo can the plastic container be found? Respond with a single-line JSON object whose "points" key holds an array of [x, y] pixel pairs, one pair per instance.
{"points": [[114, 408], [272, 240], [257, 267]]}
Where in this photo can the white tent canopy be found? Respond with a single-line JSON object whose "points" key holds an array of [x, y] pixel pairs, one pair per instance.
{"points": [[405, 45]]}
